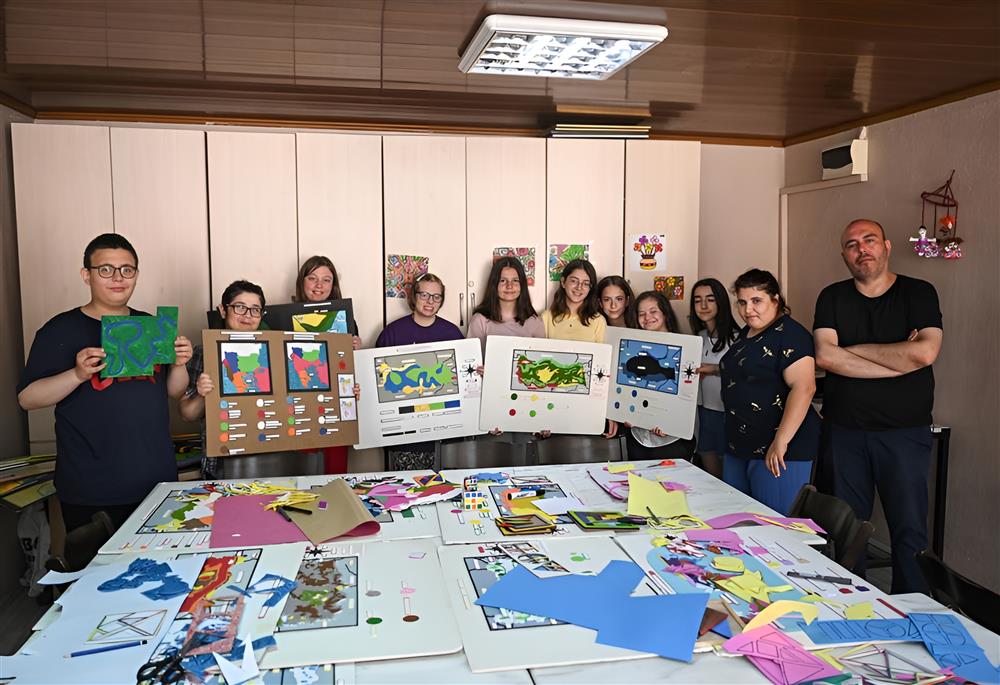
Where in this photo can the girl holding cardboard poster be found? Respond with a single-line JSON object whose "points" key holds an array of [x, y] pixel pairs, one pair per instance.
{"points": [[506, 307], [654, 313], [422, 326], [575, 313]]}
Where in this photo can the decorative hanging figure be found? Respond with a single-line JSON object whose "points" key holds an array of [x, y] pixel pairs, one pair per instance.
{"points": [[944, 242]]}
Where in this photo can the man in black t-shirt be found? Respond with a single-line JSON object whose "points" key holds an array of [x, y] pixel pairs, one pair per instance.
{"points": [[877, 335], [112, 435]]}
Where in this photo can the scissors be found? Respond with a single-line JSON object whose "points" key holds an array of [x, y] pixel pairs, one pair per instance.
{"points": [[167, 669]]}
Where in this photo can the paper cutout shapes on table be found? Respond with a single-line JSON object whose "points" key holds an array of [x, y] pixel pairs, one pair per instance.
{"points": [[344, 515], [666, 625], [525, 255], [953, 647], [213, 626], [141, 571], [246, 670], [671, 286], [134, 345], [555, 506], [132, 625], [619, 468], [781, 659], [649, 498], [844, 631], [395, 493], [401, 271], [782, 607], [730, 520], [647, 252], [561, 254], [269, 584], [243, 521]]}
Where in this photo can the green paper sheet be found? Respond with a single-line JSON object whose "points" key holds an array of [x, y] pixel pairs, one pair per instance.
{"points": [[136, 344]]}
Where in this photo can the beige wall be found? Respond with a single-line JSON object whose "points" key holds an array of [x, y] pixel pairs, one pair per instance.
{"points": [[907, 156], [739, 210]]}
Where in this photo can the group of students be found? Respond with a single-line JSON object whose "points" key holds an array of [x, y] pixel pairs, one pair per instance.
{"points": [[757, 429]]}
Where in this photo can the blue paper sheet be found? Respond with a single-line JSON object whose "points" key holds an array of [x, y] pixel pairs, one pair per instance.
{"points": [[952, 647], [666, 625], [876, 629]]}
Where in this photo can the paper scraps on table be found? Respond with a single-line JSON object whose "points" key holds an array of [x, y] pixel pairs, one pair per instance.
{"points": [[271, 584], [783, 607], [213, 626], [682, 523], [620, 467], [728, 564], [397, 494], [666, 625], [781, 659], [60, 578], [723, 538], [953, 647], [131, 625], [244, 521], [141, 571], [533, 558], [345, 515], [730, 520], [860, 611], [875, 630], [648, 496], [750, 586], [556, 506], [875, 663], [248, 669]]}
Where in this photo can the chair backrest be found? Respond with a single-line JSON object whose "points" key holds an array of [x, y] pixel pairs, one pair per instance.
{"points": [[849, 535], [83, 543], [578, 449], [959, 593], [273, 465], [483, 453]]}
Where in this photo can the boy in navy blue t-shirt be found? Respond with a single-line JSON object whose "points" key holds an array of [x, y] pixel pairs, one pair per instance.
{"points": [[112, 435]]}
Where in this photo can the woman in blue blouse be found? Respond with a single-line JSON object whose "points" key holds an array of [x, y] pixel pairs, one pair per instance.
{"points": [[768, 381]]}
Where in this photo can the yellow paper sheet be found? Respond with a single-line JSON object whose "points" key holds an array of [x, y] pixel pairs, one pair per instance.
{"points": [[645, 496], [747, 587], [524, 506], [730, 564], [780, 608], [859, 611], [620, 468]]}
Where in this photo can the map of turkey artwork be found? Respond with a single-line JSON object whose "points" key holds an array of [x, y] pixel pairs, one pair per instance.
{"points": [[245, 368], [308, 366]]}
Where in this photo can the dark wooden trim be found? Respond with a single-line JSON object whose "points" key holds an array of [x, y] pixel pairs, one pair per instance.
{"points": [[945, 99], [17, 105], [717, 138]]}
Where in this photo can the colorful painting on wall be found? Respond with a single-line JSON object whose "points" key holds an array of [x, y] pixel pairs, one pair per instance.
{"points": [[561, 254], [671, 286], [647, 253], [134, 345], [525, 255], [401, 271]]}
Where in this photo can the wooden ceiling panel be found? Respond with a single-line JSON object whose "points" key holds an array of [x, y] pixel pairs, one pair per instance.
{"points": [[773, 69]]}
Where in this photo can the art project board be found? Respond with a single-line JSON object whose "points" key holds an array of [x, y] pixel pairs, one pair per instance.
{"points": [[332, 316], [499, 640], [383, 600], [452, 669], [136, 344], [534, 384], [461, 526], [414, 393], [84, 607], [174, 516], [654, 380], [317, 674], [278, 391]]}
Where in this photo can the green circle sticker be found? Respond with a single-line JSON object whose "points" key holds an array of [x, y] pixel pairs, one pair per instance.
{"points": [[513, 396], [550, 406], [223, 426], [532, 413], [291, 420], [373, 621]]}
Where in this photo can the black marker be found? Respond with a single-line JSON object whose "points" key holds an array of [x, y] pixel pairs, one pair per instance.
{"points": [[284, 514]]}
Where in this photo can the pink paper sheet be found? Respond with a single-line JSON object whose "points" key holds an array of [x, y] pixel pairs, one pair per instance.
{"points": [[242, 520], [781, 659], [728, 538], [730, 520]]}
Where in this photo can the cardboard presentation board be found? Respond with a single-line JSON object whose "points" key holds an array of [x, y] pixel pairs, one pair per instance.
{"points": [[414, 393], [277, 391], [333, 316], [654, 380], [535, 384]]}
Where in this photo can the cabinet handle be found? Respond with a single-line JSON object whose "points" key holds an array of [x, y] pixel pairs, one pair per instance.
{"points": [[472, 304], [461, 309]]}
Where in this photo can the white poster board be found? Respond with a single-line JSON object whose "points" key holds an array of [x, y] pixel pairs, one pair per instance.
{"points": [[654, 380], [498, 639], [536, 384], [414, 393], [382, 600]]}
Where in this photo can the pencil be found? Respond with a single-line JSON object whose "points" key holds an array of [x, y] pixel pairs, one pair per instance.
{"points": [[106, 648]]}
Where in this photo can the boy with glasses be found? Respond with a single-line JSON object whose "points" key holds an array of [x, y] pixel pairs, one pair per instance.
{"points": [[112, 435]]}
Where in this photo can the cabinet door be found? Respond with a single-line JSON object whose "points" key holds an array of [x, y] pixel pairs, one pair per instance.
{"points": [[161, 206], [662, 196], [424, 192], [252, 229], [586, 180], [340, 216], [62, 193], [506, 207]]}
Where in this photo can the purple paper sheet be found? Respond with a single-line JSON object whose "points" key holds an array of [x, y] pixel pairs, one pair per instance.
{"points": [[242, 520]]}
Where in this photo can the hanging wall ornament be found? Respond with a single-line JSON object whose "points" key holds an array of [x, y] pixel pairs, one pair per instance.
{"points": [[943, 241]]}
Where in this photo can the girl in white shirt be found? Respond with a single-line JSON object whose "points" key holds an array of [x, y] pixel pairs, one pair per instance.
{"points": [[711, 317]]}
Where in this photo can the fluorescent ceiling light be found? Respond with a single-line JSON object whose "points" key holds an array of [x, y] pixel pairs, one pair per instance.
{"points": [[556, 48]]}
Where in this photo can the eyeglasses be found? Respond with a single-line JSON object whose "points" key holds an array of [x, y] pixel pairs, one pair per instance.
{"points": [[575, 282], [127, 271], [429, 297], [242, 310]]}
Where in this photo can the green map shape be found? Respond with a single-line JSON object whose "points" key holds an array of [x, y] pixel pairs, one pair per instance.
{"points": [[546, 373], [134, 345]]}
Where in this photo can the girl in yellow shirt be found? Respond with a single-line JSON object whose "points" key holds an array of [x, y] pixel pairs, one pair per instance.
{"points": [[575, 313]]}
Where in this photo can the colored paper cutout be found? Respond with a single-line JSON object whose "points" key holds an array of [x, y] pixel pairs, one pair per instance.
{"points": [[730, 520], [779, 658], [561, 254], [860, 611], [671, 286], [401, 271], [525, 255], [131, 625], [647, 496], [843, 631], [247, 669], [782, 607], [647, 252], [725, 538], [666, 625], [134, 345], [620, 468], [953, 647], [730, 564], [243, 521]]}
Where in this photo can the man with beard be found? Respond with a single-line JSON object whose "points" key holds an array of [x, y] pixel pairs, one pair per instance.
{"points": [[877, 335]]}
